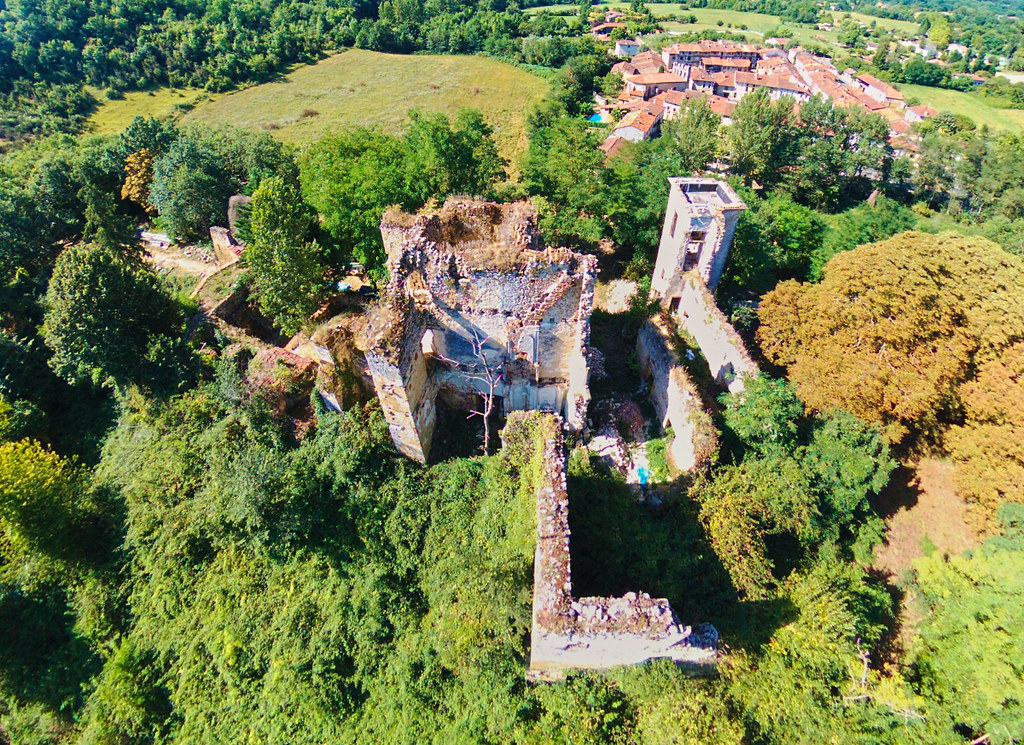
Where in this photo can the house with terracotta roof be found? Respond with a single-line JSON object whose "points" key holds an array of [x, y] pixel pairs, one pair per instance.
{"points": [[642, 124], [699, 80], [687, 54], [914, 114], [650, 85], [903, 146], [675, 101], [648, 62], [625, 69], [725, 84], [879, 90], [897, 125], [776, 85], [626, 47], [602, 31], [612, 145]]}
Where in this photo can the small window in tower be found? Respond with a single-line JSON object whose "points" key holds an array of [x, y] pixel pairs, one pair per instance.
{"points": [[698, 235], [672, 230]]}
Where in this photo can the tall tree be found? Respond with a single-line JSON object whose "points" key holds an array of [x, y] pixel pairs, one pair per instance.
{"points": [[104, 313], [894, 327], [845, 153], [763, 138], [988, 449], [565, 169], [287, 268], [190, 189]]}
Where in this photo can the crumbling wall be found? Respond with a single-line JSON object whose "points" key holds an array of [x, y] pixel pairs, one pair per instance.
{"points": [[406, 392], [472, 274], [343, 377], [579, 360], [721, 346], [593, 632], [676, 400]]}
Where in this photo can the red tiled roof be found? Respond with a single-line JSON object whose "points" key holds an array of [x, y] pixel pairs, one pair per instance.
{"points": [[721, 106], [643, 120], [880, 85], [924, 111], [612, 145], [723, 62], [778, 82], [655, 78]]}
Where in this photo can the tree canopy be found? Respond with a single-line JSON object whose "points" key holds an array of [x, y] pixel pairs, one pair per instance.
{"points": [[893, 328]]}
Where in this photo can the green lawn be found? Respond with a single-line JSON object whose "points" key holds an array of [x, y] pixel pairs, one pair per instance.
{"points": [[372, 89], [978, 109], [113, 116]]}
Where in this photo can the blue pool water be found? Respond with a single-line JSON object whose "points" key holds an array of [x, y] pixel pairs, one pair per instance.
{"points": [[595, 118]]}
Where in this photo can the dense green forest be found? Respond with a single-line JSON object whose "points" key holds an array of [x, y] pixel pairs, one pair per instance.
{"points": [[189, 553]]}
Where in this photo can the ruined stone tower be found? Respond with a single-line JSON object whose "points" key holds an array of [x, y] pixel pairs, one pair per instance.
{"points": [[699, 224], [474, 308]]}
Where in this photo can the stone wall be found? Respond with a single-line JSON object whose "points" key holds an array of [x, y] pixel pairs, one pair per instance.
{"points": [[594, 632], [674, 396], [721, 346]]}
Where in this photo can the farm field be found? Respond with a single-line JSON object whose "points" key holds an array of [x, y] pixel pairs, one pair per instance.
{"points": [[113, 116], [363, 88], [978, 109]]}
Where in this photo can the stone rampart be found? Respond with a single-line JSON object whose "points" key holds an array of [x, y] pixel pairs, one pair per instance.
{"points": [[721, 346], [674, 396], [594, 632]]}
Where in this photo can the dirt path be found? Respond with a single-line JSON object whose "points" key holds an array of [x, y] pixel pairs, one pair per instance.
{"points": [[176, 260], [922, 502]]}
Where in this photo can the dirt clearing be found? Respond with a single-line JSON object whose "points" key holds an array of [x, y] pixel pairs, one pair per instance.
{"points": [[920, 502]]}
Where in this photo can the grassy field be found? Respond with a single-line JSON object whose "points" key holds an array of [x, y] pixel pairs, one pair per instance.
{"points": [[756, 24], [908, 28], [978, 109], [362, 88], [113, 116]]}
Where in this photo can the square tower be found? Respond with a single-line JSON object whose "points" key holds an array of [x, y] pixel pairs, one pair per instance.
{"points": [[699, 224]]}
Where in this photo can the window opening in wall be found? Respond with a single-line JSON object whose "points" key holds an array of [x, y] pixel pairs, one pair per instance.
{"points": [[672, 230], [673, 304]]}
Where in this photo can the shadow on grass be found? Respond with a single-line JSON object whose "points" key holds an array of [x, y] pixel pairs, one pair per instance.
{"points": [[619, 546]]}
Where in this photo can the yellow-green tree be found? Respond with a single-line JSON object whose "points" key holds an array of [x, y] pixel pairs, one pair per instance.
{"points": [[138, 168], [895, 327], [39, 493]]}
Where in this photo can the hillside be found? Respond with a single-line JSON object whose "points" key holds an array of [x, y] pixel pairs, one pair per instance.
{"points": [[363, 88], [979, 110]]}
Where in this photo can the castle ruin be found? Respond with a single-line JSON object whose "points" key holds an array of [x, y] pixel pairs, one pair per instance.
{"points": [[478, 314]]}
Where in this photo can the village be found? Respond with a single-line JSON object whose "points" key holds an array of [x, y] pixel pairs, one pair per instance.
{"points": [[658, 85]]}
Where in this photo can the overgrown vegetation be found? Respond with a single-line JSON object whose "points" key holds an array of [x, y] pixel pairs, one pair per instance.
{"points": [[180, 560]]}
